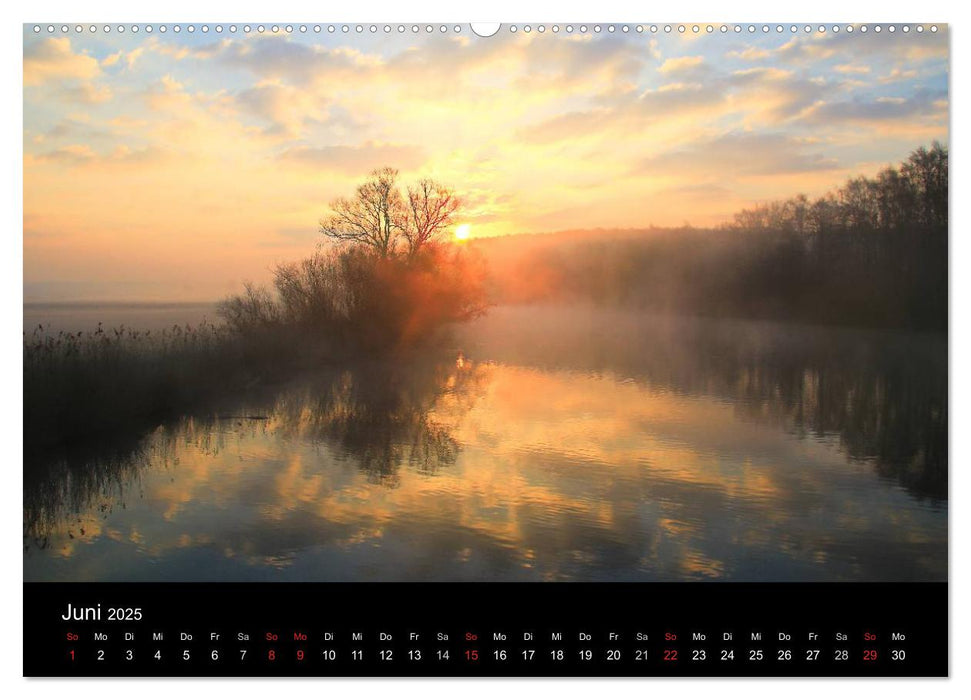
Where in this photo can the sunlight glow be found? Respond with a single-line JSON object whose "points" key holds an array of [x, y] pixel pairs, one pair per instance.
{"points": [[234, 149]]}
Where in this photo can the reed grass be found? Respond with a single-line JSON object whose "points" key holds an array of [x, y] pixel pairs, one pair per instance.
{"points": [[84, 386]]}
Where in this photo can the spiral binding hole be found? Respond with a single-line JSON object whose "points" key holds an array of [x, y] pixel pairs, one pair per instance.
{"points": [[695, 29]]}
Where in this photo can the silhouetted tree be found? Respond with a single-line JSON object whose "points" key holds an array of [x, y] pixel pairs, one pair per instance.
{"points": [[392, 281], [430, 210], [927, 173], [384, 222], [372, 218]]}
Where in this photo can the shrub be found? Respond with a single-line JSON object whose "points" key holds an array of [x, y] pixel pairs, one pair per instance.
{"points": [[351, 299]]}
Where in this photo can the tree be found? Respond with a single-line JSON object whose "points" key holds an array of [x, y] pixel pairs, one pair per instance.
{"points": [[895, 199], [372, 218], [383, 222], [431, 207], [927, 172]]}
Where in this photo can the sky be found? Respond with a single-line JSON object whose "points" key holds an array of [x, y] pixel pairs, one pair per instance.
{"points": [[176, 166]]}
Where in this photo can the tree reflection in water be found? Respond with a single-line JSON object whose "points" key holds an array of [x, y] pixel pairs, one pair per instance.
{"points": [[881, 394], [376, 415], [380, 415]]}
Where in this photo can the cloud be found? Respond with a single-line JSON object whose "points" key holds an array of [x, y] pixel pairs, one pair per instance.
{"points": [[535, 65], [751, 53], [912, 47], [167, 93], [133, 55], [751, 75], [682, 64], [356, 160], [85, 93], [757, 96], [84, 155], [627, 112], [278, 58], [53, 60], [74, 154], [739, 154], [847, 68], [923, 103], [897, 75], [284, 108], [689, 69], [124, 155], [73, 128], [776, 95], [576, 61], [704, 191], [566, 126], [439, 66]]}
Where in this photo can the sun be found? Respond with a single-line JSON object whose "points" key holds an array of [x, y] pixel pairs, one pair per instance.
{"points": [[462, 232]]}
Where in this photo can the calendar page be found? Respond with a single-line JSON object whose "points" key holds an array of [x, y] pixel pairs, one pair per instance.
{"points": [[536, 349]]}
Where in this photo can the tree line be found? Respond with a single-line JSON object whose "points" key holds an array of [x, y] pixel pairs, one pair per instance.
{"points": [[871, 253]]}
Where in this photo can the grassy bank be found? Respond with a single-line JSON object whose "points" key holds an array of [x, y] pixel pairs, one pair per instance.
{"points": [[81, 387]]}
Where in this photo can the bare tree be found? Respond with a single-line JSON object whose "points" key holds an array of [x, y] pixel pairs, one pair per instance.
{"points": [[927, 174], [380, 219], [431, 206], [374, 217]]}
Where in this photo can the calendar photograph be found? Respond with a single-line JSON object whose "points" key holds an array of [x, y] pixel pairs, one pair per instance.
{"points": [[365, 303]]}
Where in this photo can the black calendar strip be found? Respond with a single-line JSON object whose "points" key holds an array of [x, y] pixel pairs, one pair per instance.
{"points": [[485, 630]]}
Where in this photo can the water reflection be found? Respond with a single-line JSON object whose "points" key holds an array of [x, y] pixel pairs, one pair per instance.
{"points": [[883, 394], [379, 415], [376, 416], [584, 447]]}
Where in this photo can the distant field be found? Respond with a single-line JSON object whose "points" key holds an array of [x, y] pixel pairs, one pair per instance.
{"points": [[73, 317]]}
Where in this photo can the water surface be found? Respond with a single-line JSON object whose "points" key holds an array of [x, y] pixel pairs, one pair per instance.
{"points": [[540, 444]]}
